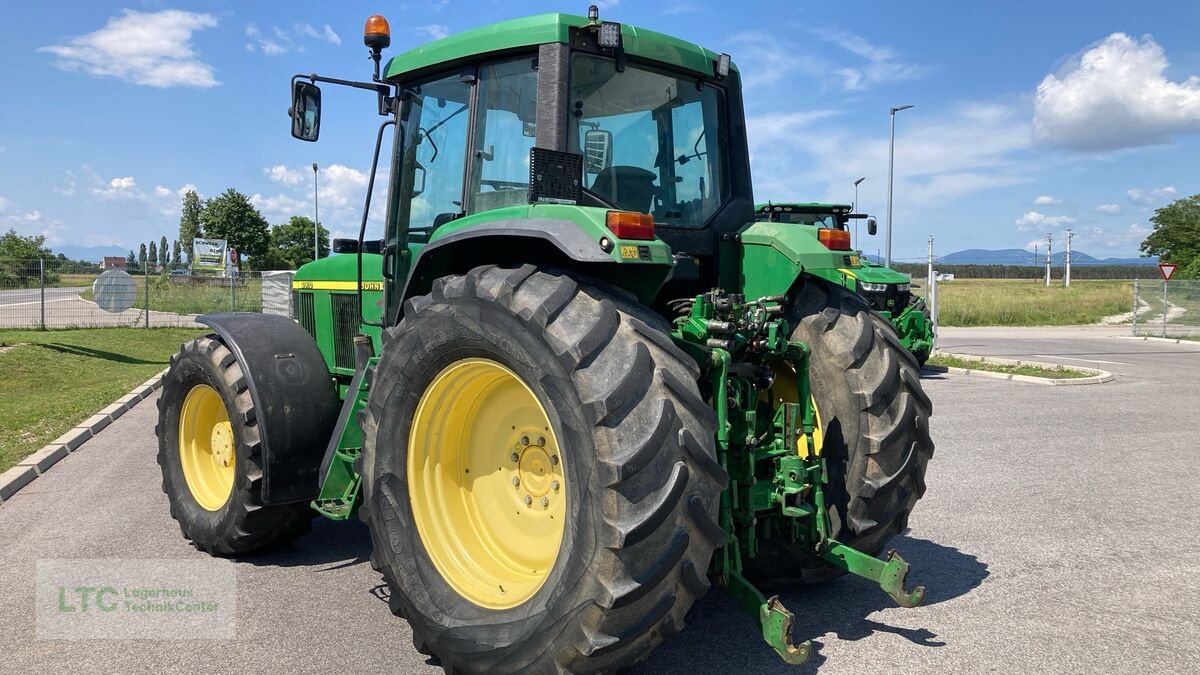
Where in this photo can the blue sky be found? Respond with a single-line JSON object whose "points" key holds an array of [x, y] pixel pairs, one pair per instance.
{"points": [[1030, 118]]}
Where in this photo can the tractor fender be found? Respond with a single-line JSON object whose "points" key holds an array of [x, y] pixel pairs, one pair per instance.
{"points": [[295, 402], [539, 241]]}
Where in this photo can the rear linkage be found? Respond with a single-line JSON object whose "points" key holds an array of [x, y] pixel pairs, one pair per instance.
{"points": [[769, 441]]}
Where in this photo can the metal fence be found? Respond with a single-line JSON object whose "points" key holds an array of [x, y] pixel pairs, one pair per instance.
{"points": [[1166, 308], [44, 294]]}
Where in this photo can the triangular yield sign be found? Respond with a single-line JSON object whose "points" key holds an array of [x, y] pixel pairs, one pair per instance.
{"points": [[1167, 270]]}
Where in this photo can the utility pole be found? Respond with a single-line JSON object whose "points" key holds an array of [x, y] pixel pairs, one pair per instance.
{"points": [[1035, 257], [1067, 260], [316, 219], [929, 273], [891, 161], [1049, 242], [855, 210]]}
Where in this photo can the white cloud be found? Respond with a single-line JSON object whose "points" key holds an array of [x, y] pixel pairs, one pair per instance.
{"points": [[769, 58], [152, 49], [1150, 197], [1116, 95], [280, 207], [1047, 200], [1036, 245], [280, 44], [435, 31], [1108, 208], [938, 158], [1032, 220], [117, 188], [4, 203], [285, 176], [162, 191], [326, 33]]}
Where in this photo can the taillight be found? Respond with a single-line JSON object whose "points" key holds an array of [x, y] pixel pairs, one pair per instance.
{"points": [[834, 240], [630, 225]]}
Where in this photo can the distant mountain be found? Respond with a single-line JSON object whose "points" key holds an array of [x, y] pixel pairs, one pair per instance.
{"points": [[1016, 256], [89, 253]]}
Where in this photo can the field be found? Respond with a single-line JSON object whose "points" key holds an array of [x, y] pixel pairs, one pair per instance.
{"points": [[52, 380], [1020, 302]]}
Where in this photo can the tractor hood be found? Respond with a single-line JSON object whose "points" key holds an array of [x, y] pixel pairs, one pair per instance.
{"points": [[340, 272], [878, 274]]}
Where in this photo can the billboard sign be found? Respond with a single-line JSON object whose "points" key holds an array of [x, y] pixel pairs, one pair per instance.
{"points": [[208, 254]]}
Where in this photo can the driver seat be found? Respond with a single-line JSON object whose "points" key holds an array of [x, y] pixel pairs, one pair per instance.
{"points": [[629, 187]]}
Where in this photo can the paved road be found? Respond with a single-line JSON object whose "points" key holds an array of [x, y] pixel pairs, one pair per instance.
{"points": [[1058, 535], [22, 308]]}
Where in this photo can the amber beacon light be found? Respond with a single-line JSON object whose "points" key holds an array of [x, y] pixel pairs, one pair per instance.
{"points": [[377, 34]]}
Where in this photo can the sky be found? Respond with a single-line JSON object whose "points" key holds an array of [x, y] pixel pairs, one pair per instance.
{"points": [[1029, 118]]}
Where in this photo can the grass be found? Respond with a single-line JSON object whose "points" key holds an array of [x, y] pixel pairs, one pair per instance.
{"points": [[51, 381], [1056, 373], [1020, 302], [196, 298]]}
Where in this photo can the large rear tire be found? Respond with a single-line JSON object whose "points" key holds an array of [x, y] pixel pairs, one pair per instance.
{"points": [[210, 453], [626, 434], [875, 424]]}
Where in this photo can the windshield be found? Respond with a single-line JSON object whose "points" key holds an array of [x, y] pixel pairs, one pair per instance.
{"points": [[652, 141]]}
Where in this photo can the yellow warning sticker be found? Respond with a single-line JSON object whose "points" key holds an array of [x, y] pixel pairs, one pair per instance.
{"points": [[853, 261], [629, 252]]}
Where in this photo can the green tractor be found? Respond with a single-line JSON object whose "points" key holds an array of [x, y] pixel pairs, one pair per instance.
{"points": [[887, 290], [575, 383]]}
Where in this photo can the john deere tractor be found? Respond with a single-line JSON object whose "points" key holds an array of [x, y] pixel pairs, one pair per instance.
{"points": [[887, 290], [576, 383]]}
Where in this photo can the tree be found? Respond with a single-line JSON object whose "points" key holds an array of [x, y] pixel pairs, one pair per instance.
{"points": [[189, 222], [233, 218], [131, 260], [153, 255], [1176, 236], [19, 256], [292, 244], [175, 259], [164, 253], [141, 255]]}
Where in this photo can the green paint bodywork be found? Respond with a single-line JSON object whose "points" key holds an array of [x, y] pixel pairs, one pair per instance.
{"points": [[542, 29], [774, 255], [911, 320], [343, 269]]}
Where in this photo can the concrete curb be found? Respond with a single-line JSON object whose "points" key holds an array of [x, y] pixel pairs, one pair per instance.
{"points": [[41, 461], [1099, 377], [1151, 338]]}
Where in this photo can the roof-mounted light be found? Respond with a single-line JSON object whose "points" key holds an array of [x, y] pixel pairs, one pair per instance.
{"points": [[722, 67], [609, 35], [377, 34]]}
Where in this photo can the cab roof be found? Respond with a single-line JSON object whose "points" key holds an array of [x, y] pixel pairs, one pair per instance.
{"points": [[544, 29], [803, 207]]}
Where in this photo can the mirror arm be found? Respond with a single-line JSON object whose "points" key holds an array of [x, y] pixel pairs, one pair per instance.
{"points": [[382, 89], [362, 230]]}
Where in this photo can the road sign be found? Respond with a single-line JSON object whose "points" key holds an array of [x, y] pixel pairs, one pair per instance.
{"points": [[114, 291], [1167, 270]]}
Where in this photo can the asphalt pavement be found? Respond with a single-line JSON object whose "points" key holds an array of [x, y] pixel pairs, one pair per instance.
{"points": [[1057, 535]]}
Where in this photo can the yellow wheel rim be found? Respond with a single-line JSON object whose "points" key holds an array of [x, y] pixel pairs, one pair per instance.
{"points": [[206, 447], [486, 483], [785, 390]]}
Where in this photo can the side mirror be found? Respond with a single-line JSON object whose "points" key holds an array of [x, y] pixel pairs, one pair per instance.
{"points": [[872, 226], [597, 150], [306, 111], [345, 246]]}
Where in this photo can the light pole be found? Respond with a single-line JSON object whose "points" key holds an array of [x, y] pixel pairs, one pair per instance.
{"points": [[855, 210], [316, 218], [891, 160]]}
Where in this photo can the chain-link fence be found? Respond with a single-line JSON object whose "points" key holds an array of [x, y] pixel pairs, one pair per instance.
{"points": [[54, 293], [1166, 308]]}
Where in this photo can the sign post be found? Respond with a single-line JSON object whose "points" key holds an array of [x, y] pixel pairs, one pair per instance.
{"points": [[1167, 270]]}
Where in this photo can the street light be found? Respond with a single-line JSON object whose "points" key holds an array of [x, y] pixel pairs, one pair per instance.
{"points": [[854, 209], [316, 218], [891, 159]]}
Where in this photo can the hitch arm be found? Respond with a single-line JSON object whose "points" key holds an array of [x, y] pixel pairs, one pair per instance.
{"points": [[773, 618], [889, 574]]}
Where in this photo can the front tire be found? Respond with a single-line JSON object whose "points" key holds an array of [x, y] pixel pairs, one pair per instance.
{"points": [[875, 425], [210, 453], [640, 480]]}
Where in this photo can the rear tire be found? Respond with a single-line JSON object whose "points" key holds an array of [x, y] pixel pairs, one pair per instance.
{"points": [[241, 523], [875, 419], [642, 483]]}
